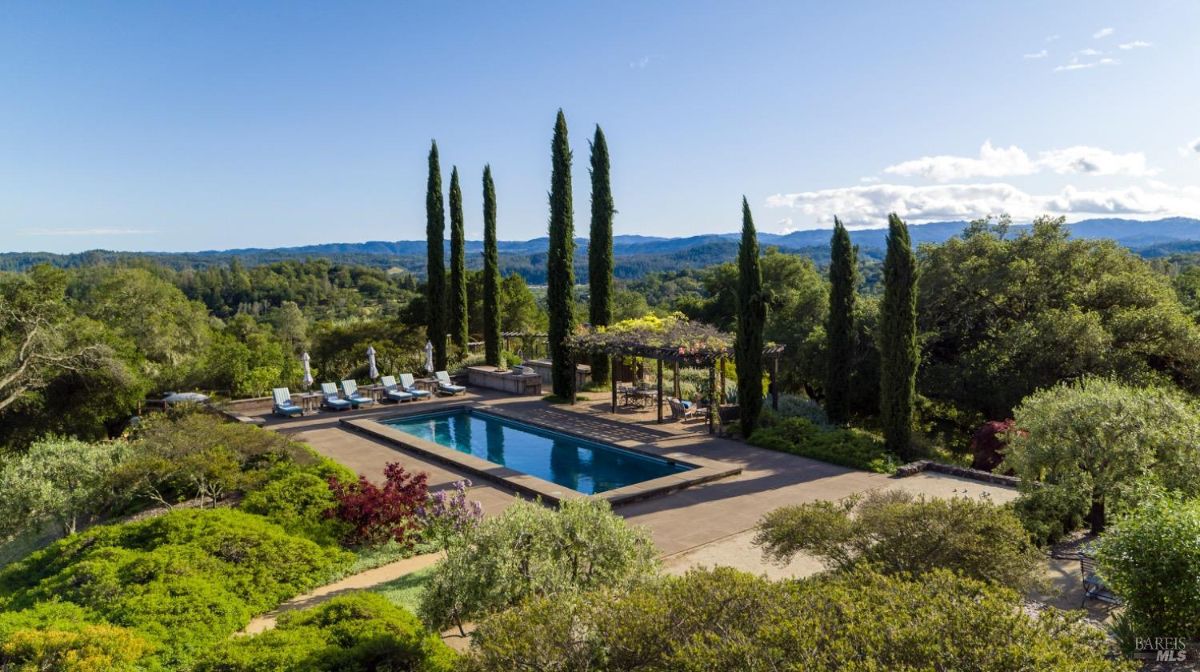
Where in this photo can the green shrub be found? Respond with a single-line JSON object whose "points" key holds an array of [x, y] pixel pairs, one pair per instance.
{"points": [[184, 580], [361, 632], [532, 550], [727, 620], [1151, 558], [845, 446], [297, 502], [898, 533], [67, 638]]}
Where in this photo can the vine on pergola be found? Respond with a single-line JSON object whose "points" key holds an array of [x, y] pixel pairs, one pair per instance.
{"points": [[673, 338]]}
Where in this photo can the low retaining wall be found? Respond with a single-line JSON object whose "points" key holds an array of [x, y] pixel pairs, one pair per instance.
{"points": [[962, 472], [505, 381], [583, 373]]}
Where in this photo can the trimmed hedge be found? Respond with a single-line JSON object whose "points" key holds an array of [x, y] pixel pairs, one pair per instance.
{"points": [[360, 632], [847, 447], [183, 580]]}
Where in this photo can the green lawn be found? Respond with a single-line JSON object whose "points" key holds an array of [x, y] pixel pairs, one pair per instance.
{"points": [[406, 590]]}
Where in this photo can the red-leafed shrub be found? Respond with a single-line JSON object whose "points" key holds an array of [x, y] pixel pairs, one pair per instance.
{"points": [[376, 514], [987, 445]]}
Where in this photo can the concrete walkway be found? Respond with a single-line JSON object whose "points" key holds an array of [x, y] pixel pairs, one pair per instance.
{"points": [[360, 581]]}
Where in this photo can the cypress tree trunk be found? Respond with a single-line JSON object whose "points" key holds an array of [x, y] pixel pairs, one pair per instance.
{"points": [[600, 254], [898, 340], [435, 283], [560, 272], [751, 317], [491, 273], [457, 303], [843, 276]]}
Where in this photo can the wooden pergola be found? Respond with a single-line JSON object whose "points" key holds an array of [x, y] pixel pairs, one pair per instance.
{"points": [[679, 342]]}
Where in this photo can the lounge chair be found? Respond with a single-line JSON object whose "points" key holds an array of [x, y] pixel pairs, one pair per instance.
{"points": [[330, 398], [446, 386], [283, 403], [683, 410], [407, 384], [350, 388], [392, 391]]}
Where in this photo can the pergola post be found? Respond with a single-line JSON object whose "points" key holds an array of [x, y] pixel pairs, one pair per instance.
{"points": [[660, 418], [774, 383], [612, 375], [721, 363], [712, 398], [675, 379]]}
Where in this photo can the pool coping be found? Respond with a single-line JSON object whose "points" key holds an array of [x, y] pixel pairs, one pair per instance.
{"points": [[703, 471]]}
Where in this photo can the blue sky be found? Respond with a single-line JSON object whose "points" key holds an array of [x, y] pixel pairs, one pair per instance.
{"points": [[189, 125]]}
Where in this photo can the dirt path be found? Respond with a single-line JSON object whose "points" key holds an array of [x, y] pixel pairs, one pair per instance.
{"points": [[360, 581]]}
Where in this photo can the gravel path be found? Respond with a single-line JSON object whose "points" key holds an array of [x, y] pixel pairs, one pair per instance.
{"points": [[360, 581]]}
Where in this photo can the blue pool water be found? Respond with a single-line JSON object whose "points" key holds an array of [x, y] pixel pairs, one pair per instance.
{"points": [[571, 462]]}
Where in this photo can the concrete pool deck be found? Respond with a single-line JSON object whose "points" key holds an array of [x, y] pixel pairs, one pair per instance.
{"points": [[704, 524]]}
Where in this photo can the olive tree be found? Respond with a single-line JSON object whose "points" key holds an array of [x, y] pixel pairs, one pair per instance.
{"points": [[531, 550], [1151, 558], [60, 482], [1094, 442], [898, 533]]}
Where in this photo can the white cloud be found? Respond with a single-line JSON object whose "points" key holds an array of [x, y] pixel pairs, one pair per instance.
{"points": [[1103, 32], [870, 205], [870, 179], [1011, 161], [1094, 161], [1051, 38], [1076, 64], [1191, 149], [1037, 54], [86, 232], [1089, 52], [1136, 44], [641, 63]]}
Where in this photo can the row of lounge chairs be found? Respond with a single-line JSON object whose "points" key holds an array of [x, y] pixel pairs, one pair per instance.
{"points": [[350, 397]]}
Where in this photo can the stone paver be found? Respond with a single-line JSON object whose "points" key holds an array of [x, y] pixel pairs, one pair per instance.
{"points": [[360, 581], [709, 523]]}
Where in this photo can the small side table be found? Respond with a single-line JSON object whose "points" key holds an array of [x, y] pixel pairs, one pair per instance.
{"points": [[310, 401]]}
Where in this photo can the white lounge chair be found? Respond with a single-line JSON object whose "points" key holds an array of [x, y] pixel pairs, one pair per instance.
{"points": [[283, 403], [407, 384], [392, 391], [446, 386], [330, 398], [350, 388]]}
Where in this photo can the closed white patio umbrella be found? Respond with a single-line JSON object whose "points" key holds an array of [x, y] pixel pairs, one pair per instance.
{"points": [[429, 356], [308, 379], [372, 370]]}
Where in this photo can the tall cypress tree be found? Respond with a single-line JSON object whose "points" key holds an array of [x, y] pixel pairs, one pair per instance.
{"points": [[560, 272], [600, 253], [457, 304], [435, 283], [843, 277], [898, 340], [751, 316], [491, 273]]}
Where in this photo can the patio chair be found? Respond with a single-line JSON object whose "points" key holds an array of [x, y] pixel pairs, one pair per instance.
{"points": [[392, 391], [283, 403], [446, 386], [350, 387], [407, 384], [330, 398], [683, 410], [1093, 587]]}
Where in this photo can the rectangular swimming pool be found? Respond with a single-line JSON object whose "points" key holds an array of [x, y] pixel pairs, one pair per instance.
{"points": [[578, 464]]}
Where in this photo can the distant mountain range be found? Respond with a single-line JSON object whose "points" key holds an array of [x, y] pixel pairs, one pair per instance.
{"points": [[634, 255]]}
